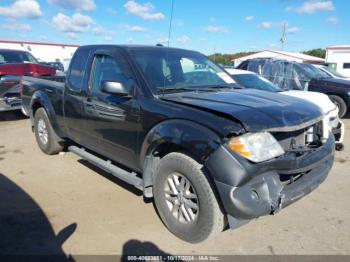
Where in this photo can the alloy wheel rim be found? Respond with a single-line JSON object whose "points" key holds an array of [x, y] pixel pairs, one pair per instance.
{"points": [[181, 198], [42, 131]]}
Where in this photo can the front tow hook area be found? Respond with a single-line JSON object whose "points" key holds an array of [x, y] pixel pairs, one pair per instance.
{"points": [[339, 147], [260, 196]]}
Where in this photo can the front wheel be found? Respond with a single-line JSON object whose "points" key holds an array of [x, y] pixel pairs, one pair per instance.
{"points": [[44, 133], [185, 199]]}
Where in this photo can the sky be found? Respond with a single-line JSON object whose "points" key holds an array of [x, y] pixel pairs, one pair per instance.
{"points": [[224, 26]]}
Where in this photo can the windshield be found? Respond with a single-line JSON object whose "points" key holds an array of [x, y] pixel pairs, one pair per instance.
{"points": [[9, 56], [256, 82], [313, 72], [180, 70], [332, 72]]}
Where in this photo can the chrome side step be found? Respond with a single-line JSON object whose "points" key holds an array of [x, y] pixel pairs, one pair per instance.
{"points": [[128, 177]]}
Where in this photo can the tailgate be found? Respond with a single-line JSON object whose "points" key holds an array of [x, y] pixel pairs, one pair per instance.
{"points": [[9, 86]]}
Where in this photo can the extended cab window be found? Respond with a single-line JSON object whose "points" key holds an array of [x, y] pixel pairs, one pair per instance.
{"points": [[107, 68]]}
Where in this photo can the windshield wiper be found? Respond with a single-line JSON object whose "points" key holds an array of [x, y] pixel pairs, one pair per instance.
{"points": [[218, 87], [175, 89], [202, 88]]}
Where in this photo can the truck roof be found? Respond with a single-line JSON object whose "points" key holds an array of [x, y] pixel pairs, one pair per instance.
{"points": [[138, 47]]}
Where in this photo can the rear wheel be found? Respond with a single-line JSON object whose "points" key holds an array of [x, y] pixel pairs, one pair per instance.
{"points": [[44, 133], [340, 103], [185, 199]]}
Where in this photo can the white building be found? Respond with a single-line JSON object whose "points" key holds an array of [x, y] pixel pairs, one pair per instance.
{"points": [[298, 57], [48, 52], [338, 58]]}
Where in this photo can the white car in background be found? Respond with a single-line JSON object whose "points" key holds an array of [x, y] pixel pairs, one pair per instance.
{"points": [[331, 121], [332, 73]]}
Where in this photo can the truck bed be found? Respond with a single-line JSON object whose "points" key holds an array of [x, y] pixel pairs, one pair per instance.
{"points": [[52, 86]]}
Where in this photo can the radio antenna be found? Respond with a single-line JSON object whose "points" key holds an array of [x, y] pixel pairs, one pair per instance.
{"points": [[171, 21], [169, 35]]}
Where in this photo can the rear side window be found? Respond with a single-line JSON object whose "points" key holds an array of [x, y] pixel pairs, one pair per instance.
{"points": [[346, 66], [77, 69]]}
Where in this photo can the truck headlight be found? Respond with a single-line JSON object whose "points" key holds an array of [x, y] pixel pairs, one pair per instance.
{"points": [[256, 147]]}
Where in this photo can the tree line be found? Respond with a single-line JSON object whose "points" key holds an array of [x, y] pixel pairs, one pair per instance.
{"points": [[226, 59]]}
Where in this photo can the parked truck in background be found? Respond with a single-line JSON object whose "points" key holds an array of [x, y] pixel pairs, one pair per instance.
{"points": [[290, 75], [13, 65], [173, 124]]}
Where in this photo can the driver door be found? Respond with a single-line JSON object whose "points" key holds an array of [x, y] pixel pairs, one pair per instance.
{"points": [[112, 121]]}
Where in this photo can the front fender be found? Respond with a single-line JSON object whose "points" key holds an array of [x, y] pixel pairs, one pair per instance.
{"points": [[40, 97], [197, 139]]}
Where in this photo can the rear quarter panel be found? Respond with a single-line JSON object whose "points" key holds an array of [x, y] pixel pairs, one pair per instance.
{"points": [[48, 94]]}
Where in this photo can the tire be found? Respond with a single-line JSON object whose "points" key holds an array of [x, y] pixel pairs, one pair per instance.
{"points": [[44, 133], [340, 103], [24, 112], [201, 223]]}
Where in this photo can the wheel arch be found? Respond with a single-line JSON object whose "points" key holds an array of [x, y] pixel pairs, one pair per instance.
{"points": [[40, 99], [178, 135], [341, 95]]}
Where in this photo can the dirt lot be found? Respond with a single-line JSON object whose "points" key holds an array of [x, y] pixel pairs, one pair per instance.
{"points": [[61, 205]]}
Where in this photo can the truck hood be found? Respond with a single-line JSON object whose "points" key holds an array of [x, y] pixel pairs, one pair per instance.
{"points": [[319, 99], [28, 69], [255, 110]]}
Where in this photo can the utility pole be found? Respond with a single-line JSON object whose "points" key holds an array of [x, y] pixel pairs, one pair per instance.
{"points": [[283, 39]]}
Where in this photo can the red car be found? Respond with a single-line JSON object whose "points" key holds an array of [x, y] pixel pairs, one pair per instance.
{"points": [[13, 65]]}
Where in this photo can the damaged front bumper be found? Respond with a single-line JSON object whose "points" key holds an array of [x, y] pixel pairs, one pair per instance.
{"points": [[10, 103], [250, 190]]}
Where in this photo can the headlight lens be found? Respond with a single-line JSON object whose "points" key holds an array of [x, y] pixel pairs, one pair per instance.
{"points": [[256, 147]]}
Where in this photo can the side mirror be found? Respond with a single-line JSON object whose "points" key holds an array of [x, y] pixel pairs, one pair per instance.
{"points": [[115, 88]]}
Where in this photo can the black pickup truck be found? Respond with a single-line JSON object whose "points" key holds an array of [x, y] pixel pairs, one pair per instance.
{"points": [[173, 124]]}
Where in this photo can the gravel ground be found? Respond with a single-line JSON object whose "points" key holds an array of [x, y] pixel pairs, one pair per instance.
{"points": [[62, 205]]}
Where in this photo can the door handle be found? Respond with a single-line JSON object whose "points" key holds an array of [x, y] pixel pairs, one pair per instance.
{"points": [[89, 107], [88, 102]]}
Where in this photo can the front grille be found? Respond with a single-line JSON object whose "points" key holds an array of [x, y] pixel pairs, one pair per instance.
{"points": [[306, 138]]}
